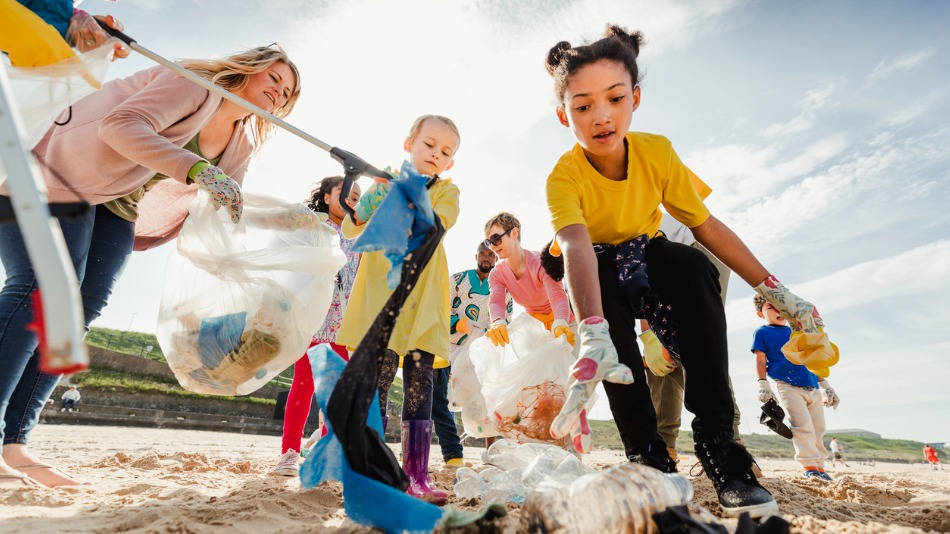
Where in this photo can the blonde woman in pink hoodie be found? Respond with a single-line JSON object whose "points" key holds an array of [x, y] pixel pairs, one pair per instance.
{"points": [[152, 132]]}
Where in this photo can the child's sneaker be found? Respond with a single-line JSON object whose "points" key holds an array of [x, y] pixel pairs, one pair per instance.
{"points": [[813, 473], [825, 476], [455, 463], [288, 465]]}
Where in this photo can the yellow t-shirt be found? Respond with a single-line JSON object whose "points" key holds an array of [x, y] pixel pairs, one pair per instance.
{"points": [[617, 211]]}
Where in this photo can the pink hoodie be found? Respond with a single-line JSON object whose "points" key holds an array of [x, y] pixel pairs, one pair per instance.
{"points": [[536, 291], [121, 135]]}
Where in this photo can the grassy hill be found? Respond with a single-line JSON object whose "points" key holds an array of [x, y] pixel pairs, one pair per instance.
{"points": [[775, 446], [605, 432]]}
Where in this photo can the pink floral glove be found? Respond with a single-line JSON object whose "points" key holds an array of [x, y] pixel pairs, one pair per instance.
{"points": [[800, 314], [808, 345], [224, 191], [597, 360]]}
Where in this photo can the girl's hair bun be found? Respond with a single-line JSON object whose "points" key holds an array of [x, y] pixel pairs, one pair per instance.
{"points": [[633, 41], [555, 55]]}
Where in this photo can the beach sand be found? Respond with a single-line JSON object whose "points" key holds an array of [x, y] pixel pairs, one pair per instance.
{"points": [[167, 480]]}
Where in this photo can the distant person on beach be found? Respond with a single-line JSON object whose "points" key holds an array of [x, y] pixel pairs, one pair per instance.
{"points": [[70, 399], [801, 392], [930, 454], [836, 449]]}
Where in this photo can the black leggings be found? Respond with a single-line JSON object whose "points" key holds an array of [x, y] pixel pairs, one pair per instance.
{"points": [[416, 383], [683, 278]]}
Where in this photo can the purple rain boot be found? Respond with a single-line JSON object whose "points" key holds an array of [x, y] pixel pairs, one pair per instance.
{"points": [[416, 438]]}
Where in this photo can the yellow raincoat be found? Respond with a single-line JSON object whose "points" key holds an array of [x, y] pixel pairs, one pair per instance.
{"points": [[423, 322], [28, 39]]}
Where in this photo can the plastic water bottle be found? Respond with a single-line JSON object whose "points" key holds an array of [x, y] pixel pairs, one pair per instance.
{"points": [[620, 500]]}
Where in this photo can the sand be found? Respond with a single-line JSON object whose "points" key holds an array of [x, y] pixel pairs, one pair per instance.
{"points": [[164, 480]]}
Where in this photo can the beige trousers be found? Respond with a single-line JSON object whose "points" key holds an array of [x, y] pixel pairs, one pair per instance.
{"points": [[806, 417], [667, 391]]}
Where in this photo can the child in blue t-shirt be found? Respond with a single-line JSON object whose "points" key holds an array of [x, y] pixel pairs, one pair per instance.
{"points": [[802, 393]]}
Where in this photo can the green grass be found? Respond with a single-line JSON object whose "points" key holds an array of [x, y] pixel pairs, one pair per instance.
{"points": [[108, 379], [605, 432], [133, 343], [775, 446]]}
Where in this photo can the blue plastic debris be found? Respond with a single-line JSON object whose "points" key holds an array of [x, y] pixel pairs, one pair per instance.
{"points": [[400, 223], [365, 500]]}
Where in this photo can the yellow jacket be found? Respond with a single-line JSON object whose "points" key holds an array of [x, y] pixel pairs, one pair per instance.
{"points": [[423, 322], [29, 40]]}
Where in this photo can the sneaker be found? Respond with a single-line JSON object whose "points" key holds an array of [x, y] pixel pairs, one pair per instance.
{"points": [[455, 463], [729, 466], [287, 466], [812, 473], [826, 476]]}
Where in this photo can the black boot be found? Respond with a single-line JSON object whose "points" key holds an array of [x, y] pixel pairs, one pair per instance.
{"points": [[656, 456], [729, 466]]}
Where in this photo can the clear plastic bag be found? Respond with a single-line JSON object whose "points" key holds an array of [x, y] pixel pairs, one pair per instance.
{"points": [[241, 301], [465, 395], [523, 383], [43, 93]]}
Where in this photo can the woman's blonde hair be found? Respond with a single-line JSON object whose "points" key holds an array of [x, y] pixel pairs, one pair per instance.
{"points": [[233, 71]]}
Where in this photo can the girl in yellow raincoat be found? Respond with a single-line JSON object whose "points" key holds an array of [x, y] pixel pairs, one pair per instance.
{"points": [[421, 334]]}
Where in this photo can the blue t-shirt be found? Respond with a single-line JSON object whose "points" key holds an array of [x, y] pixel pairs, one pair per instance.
{"points": [[769, 339]]}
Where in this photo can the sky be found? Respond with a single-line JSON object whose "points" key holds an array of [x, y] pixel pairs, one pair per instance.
{"points": [[821, 127]]}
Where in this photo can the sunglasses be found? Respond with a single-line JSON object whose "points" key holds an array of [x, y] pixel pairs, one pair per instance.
{"points": [[495, 239]]}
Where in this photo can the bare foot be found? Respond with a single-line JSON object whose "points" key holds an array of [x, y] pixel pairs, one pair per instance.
{"points": [[19, 458]]}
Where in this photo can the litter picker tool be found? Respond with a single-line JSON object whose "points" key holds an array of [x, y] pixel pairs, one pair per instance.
{"points": [[353, 165]]}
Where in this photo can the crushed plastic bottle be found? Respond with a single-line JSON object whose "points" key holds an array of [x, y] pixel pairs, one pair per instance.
{"points": [[620, 500], [515, 470]]}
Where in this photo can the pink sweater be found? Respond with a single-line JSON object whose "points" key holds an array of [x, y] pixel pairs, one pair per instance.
{"points": [[536, 291], [121, 135]]}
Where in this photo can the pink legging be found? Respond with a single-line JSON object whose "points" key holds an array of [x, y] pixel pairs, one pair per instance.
{"points": [[299, 399]]}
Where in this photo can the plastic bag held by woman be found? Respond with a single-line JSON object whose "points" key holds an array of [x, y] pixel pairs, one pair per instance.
{"points": [[523, 383], [241, 301]]}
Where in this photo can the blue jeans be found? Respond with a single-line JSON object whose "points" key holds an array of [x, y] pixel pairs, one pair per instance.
{"points": [[443, 419], [98, 244]]}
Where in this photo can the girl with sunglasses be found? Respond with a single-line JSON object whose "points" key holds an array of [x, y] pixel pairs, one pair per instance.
{"points": [[520, 274]]}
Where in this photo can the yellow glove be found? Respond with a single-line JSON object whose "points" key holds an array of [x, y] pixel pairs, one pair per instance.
{"points": [[813, 350], [560, 328], [655, 356], [463, 326], [498, 333]]}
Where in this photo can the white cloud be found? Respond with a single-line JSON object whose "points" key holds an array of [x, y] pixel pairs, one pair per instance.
{"points": [[889, 66], [814, 102], [923, 270]]}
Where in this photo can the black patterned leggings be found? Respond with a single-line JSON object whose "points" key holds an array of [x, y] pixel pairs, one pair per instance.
{"points": [[416, 383]]}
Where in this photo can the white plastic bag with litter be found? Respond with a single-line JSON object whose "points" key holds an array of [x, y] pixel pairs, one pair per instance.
{"points": [[465, 394], [523, 383], [241, 301]]}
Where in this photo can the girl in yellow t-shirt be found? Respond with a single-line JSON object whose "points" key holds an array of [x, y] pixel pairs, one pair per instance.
{"points": [[421, 334], [604, 196]]}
